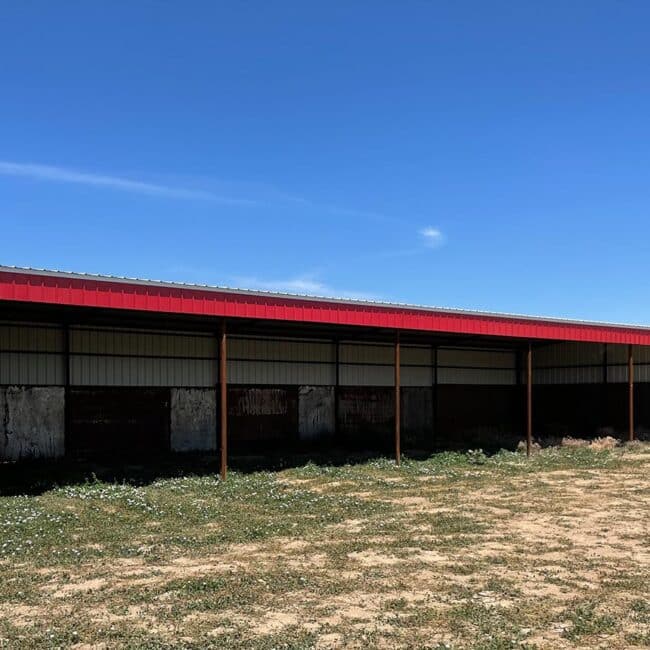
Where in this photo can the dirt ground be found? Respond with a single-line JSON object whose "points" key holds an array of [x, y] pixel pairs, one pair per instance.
{"points": [[450, 552]]}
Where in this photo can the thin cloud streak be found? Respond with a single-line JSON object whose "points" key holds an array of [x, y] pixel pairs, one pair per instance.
{"points": [[57, 174], [64, 175]]}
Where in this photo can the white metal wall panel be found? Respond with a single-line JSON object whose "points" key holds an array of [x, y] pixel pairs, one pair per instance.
{"points": [[366, 375], [417, 366], [366, 353], [280, 373], [366, 364], [476, 376], [281, 350], [568, 354], [103, 357], [31, 355], [373, 365], [618, 354], [417, 376], [141, 371], [578, 375], [17, 369], [476, 367], [145, 344], [416, 356], [26, 337], [281, 362], [582, 363], [617, 374], [489, 359]]}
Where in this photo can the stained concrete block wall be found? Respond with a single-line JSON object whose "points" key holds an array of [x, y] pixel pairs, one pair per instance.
{"points": [[193, 419], [32, 422], [315, 412]]}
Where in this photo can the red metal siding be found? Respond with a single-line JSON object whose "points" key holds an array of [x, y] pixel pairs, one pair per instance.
{"points": [[86, 292]]}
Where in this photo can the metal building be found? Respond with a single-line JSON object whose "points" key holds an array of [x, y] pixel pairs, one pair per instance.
{"points": [[94, 365]]}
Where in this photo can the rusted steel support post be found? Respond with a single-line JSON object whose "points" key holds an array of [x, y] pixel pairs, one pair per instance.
{"points": [[398, 415], [434, 394], [630, 392], [223, 385], [529, 399], [337, 380], [66, 384]]}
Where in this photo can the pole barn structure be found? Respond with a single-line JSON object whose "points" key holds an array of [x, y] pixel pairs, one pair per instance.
{"points": [[94, 366]]}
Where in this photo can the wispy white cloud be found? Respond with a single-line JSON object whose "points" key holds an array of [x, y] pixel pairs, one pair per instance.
{"points": [[303, 284], [65, 175], [432, 237], [262, 198]]}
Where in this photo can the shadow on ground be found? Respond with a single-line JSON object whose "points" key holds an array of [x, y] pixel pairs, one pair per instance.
{"points": [[38, 476], [32, 477]]}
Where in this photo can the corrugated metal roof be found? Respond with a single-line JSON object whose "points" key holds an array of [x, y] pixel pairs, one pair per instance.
{"points": [[314, 297]]}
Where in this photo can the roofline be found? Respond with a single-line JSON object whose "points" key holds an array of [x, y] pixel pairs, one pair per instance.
{"points": [[228, 301], [171, 284]]}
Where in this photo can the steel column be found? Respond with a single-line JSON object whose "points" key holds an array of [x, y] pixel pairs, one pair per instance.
{"points": [[337, 378], [398, 415], [66, 384], [223, 385], [630, 389], [434, 393], [529, 399]]}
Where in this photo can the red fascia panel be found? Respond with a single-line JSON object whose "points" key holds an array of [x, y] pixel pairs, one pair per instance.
{"points": [[83, 292]]}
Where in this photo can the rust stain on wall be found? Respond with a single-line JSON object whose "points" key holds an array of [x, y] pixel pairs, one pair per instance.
{"points": [[262, 415]]}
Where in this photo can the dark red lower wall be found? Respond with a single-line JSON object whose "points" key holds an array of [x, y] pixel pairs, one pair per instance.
{"points": [[262, 417], [588, 410], [478, 416], [121, 421], [104, 421]]}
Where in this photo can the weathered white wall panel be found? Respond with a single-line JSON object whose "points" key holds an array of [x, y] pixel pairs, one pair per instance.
{"points": [[281, 362], [476, 367], [568, 354], [125, 358], [490, 359], [315, 412], [280, 373], [373, 365], [618, 374], [141, 371], [35, 369], [193, 419], [31, 422], [284, 350], [583, 363], [32, 337], [618, 354], [146, 343], [580, 375], [366, 375], [366, 353], [476, 376], [416, 375], [31, 354]]}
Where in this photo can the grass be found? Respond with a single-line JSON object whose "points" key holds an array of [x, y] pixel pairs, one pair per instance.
{"points": [[453, 551]]}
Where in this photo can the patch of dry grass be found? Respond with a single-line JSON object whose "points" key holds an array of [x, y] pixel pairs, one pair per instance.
{"points": [[455, 551]]}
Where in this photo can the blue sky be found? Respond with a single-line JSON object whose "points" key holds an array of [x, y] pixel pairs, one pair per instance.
{"points": [[489, 155]]}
